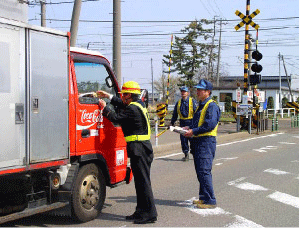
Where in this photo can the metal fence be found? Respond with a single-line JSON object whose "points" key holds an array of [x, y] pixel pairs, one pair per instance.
{"points": [[283, 112]]}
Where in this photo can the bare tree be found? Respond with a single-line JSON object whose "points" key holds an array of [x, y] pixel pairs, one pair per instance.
{"points": [[160, 85]]}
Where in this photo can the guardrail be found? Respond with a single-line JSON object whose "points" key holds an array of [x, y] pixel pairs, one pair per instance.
{"points": [[282, 112]]}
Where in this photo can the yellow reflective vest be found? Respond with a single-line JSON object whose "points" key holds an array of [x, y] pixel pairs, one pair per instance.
{"points": [[131, 138], [191, 110], [201, 121]]}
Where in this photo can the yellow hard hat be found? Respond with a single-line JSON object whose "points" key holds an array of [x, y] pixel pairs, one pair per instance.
{"points": [[131, 87]]}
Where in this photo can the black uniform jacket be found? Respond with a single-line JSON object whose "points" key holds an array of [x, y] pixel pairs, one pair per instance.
{"points": [[132, 121]]}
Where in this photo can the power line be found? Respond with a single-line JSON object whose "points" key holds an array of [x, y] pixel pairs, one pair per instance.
{"points": [[167, 21], [58, 3]]}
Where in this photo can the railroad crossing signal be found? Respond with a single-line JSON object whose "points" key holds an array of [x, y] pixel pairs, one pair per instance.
{"points": [[247, 19]]}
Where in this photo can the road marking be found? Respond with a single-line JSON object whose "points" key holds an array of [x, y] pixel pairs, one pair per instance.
{"points": [[219, 164], [250, 187], [285, 198], [239, 220], [246, 185], [277, 196], [204, 212], [276, 171], [246, 140], [167, 156], [287, 143], [263, 149], [236, 181], [226, 158], [208, 212], [226, 144], [242, 222]]}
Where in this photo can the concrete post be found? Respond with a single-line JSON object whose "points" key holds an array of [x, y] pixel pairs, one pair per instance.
{"points": [[156, 130], [43, 13], [117, 39], [75, 22]]}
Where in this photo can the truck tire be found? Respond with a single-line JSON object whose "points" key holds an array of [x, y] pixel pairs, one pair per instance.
{"points": [[88, 193]]}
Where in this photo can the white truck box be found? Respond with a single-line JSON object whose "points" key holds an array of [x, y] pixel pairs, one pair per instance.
{"points": [[14, 9], [33, 94]]}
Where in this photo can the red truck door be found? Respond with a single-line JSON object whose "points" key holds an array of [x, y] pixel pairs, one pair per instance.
{"points": [[95, 134]]}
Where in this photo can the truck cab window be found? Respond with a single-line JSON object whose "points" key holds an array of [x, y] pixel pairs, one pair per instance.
{"points": [[91, 77]]}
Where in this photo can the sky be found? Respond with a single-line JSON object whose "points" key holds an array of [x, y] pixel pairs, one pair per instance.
{"points": [[147, 26]]}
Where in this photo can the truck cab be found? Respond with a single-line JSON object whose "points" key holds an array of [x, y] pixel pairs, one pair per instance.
{"points": [[92, 135]]}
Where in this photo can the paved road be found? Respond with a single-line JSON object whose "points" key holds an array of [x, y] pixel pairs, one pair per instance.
{"points": [[226, 132], [256, 181]]}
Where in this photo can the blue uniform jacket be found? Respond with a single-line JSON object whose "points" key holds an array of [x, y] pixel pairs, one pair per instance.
{"points": [[205, 146], [184, 109]]}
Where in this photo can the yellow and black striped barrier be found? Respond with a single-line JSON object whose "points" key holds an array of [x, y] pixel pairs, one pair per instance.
{"points": [[162, 108], [161, 112], [293, 105]]}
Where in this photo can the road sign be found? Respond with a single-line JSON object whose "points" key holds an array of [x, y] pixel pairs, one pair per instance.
{"points": [[261, 95], [243, 109], [238, 95], [247, 19]]}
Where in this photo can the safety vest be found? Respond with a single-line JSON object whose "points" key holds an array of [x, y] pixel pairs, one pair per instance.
{"points": [[201, 121], [191, 110], [131, 138]]}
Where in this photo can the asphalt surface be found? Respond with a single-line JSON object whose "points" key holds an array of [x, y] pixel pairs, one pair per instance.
{"points": [[226, 132], [245, 186], [256, 182]]}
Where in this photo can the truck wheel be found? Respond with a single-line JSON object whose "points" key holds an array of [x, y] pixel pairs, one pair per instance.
{"points": [[88, 193]]}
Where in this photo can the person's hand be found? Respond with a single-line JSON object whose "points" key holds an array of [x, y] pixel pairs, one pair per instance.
{"points": [[102, 103], [171, 125], [102, 94], [189, 133], [186, 128]]}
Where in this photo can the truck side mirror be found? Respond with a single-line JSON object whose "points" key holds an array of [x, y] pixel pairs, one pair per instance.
{"points": [[108, 82], [145, 97]]}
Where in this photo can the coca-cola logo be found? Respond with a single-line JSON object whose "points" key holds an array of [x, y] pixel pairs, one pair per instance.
{"points": [[91, 117]]}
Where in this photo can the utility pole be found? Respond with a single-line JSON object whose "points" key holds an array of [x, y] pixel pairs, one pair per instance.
{"points": [[280, 101], [210, 68], [287, 78], [152, 83], [219, 55], [117, 39], [43, 13], [75, 22]]}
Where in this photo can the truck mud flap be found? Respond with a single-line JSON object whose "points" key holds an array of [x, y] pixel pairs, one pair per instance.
{"points": [[65, 192], [32, 211]]}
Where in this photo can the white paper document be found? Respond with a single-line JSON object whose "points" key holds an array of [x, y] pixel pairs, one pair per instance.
{"points": [[179, 130]]}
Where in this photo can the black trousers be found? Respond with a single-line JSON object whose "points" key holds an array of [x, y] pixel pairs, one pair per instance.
{"points": [[141, 159]]}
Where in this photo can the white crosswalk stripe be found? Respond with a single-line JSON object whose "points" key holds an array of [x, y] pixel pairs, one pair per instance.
{"points": [[277, 196], [285, 198], [238, 221], [242, 222], [276, 171]]}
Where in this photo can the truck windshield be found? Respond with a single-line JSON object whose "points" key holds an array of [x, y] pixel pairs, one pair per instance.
{"points": [[91, 77]]}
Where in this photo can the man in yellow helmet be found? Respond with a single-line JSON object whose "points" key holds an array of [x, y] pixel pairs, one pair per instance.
{"points": [[135, 124]]}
